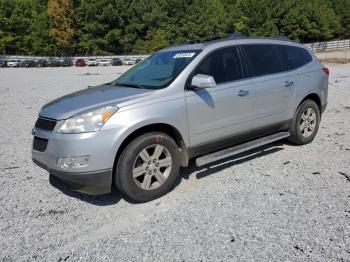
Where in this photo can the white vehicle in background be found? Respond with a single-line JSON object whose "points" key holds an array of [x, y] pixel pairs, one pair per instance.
{"points": [[104, 62], [13, 63], [92, 62], [128, 62]]}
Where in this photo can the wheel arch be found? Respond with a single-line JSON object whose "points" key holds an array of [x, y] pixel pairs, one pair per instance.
{"points": [[314, 97], [295, 137], [157, 127]]}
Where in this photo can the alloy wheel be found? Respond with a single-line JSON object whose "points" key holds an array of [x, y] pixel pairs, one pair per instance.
{"points": [[308, 122], [152, 167]]}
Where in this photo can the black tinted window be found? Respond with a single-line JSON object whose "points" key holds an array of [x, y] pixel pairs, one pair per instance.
{"points": [[293, 57], [224, 65], [262, 59]]}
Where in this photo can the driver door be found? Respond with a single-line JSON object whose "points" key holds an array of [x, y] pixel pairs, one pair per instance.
{"points": [[222, 111]]}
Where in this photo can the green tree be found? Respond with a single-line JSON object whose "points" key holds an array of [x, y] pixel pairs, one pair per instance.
{"points": [[7, 37], [255, 18], [205, 18], [39, 38], [99, 27], [15, 16], [309, 21], [342, 10]]}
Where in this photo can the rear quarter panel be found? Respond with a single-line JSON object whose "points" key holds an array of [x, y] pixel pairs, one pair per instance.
{"points": [[310, 79]]}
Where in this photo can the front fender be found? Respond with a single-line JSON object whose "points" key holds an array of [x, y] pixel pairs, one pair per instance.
{"points": [[172, 113]]}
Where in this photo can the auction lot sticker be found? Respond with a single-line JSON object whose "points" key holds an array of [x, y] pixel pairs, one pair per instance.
{"points": [[184, 55]]}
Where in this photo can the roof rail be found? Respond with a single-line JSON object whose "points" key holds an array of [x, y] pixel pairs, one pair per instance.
{"points": [[203, 40], [281, 37], [216, 37], [235, 35]]}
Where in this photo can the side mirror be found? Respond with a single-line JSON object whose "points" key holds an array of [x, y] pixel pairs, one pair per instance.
{"points": [[203, 81]]}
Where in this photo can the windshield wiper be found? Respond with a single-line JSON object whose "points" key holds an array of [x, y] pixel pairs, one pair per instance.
{"points": [[128, 85]]}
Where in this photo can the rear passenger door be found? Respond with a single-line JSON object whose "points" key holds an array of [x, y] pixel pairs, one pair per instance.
{"points": [[271, 87], [296, 60], [222, 111]]}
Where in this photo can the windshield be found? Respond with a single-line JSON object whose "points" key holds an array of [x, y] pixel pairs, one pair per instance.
{"points": [[158, 70]]}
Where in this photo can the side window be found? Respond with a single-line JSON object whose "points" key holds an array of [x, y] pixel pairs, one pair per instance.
{"points": [[262, 59], [224, 65], [293, 57]]}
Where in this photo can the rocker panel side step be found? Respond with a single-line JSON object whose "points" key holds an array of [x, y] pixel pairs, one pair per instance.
{"points": [[232, 151]]}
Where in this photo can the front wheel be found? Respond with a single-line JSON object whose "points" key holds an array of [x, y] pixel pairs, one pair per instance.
{"points": [[148, 167], [305, 124]]}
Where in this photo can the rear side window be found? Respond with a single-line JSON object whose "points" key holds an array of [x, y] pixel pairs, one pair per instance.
{"points": [[262, 59], [224, 65], [293, 57]]}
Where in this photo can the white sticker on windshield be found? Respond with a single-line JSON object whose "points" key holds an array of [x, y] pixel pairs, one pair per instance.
{"points": [[184, 55]]}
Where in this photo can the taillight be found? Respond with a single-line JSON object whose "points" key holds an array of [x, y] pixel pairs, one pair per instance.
{"points": [[325, 70]]}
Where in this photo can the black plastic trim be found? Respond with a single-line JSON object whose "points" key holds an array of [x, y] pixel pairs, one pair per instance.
{"points": [[234, 140], [45, 124], [40, 144], [92, 183]]}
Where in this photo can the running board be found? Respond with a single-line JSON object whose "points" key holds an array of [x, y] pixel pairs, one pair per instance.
{"points": [[232, 151]]}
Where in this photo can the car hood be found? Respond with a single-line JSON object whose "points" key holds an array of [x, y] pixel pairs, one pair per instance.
{"points": [[90, 99]]}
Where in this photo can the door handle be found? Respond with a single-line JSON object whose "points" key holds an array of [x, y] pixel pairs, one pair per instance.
{"points": [[288, 83], [243, 93]]}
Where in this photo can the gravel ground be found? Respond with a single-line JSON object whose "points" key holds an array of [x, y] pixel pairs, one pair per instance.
{"points": [[278, 203]]}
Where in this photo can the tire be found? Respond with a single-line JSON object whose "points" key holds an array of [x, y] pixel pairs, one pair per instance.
{"points": [[305, 123], [141, 174]]}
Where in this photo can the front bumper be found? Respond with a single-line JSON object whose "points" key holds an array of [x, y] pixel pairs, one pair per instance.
{"points": [[92, 183], [101, 147]]}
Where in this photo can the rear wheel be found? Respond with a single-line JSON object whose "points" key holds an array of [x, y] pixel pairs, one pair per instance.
{"points": [[305, 124], [148, 167]]}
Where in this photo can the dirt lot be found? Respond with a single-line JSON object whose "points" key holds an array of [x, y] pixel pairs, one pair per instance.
{"points": [[278, 203], [341, 56]]}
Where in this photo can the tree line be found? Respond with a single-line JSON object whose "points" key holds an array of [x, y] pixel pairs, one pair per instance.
{"points": [[104, 27]]}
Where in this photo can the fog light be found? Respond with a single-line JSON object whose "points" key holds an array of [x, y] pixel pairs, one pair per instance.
{"points": [[72, 161]]}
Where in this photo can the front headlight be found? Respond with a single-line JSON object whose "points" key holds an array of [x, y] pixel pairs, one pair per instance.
{"points": [[87, 122]]}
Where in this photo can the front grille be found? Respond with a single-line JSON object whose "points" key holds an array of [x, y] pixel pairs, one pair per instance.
{"points": [[40, 144], [45, 124]]}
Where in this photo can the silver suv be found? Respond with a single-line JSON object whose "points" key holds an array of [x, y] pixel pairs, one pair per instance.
{"points": [[207, 101]]}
